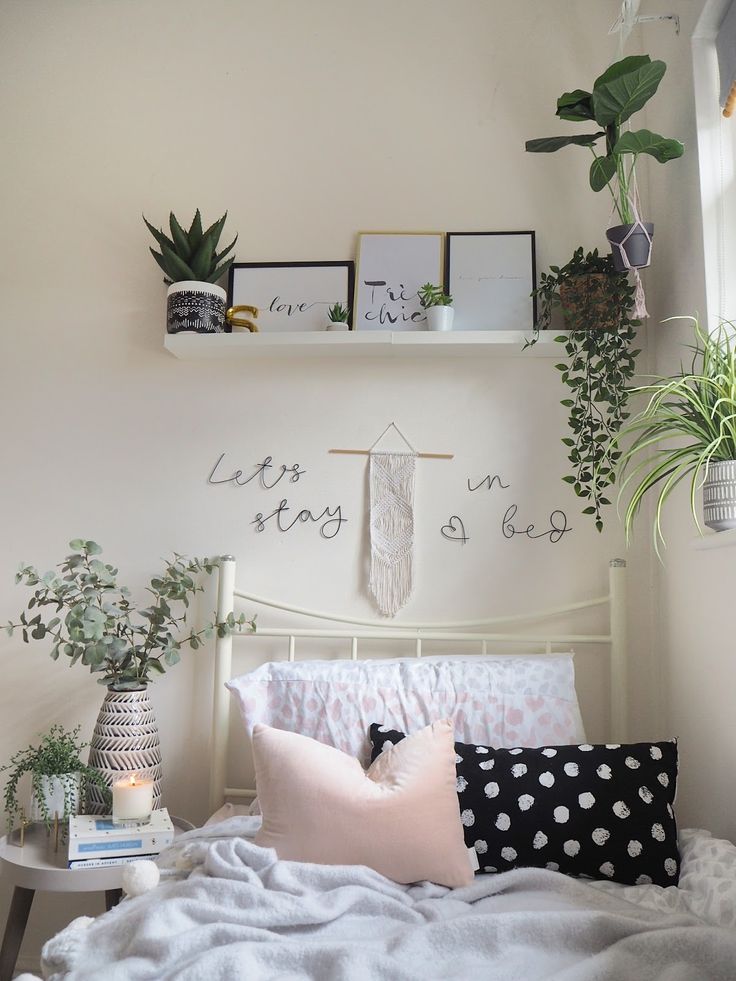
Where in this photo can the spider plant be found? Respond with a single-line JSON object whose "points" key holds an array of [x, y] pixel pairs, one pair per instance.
{"points": [[689, 422]]}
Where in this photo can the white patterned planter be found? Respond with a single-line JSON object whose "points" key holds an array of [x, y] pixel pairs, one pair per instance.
{"points": [[56, 792], [125, 740], [719, 496]]}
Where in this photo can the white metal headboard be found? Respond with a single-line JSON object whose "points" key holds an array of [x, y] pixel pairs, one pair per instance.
{"points": [[464, 630]]}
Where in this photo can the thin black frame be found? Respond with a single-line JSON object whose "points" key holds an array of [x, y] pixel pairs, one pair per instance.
{"points": [[348, 264], [533, 237]]}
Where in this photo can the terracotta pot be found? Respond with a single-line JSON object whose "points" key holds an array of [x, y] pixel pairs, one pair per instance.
{"points": [[586, 302]]}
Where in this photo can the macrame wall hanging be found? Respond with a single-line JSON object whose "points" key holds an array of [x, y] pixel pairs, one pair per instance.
{"points": [[391, 520]]}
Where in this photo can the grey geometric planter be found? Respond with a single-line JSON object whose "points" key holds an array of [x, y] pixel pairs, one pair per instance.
{"points": [[125, 740], [632, 241], [719, 496]]}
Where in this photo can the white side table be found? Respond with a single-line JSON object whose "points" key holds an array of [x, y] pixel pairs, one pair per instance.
{"points": [[36, 866]]}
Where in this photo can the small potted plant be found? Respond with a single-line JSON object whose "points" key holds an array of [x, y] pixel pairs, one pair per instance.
{"points": [[596, 303], [437, 306], [89, 618], [338, 317], [192, 268], [623, 89], [60, 780], [686, 430]]}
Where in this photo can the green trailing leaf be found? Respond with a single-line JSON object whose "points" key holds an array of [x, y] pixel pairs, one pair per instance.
{"points": [[602, 171], [623, 67], [616, 97], [575, 106], [644, 141], [596, 302], [550, 144]]}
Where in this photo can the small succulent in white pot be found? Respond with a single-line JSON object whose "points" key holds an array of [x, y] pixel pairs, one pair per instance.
{"points": [[338, 317], [437, 306], [59, 778]]}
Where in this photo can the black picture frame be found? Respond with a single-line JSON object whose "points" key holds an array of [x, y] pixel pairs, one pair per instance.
{"points": [[496, 294], [292, 303]]}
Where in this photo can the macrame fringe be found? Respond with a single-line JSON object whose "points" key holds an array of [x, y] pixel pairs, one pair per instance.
{"points": [[391, 529], [391, 582], [640, 300]]}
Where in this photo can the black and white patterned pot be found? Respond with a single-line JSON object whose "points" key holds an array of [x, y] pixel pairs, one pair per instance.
{"points": [[195, 307], [125, 740], [719, 496]]}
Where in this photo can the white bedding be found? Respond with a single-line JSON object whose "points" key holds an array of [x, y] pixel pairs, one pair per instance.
{"points": [[228, 909]]}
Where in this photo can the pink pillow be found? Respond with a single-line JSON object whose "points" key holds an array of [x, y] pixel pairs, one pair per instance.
{"points": [[401, 817]]}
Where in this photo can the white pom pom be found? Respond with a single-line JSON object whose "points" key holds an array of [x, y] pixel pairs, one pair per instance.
{"points": [[187, 858], [140, 877]]}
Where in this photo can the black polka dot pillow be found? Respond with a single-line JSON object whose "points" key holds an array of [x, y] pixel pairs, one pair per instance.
{"points": [[604, 811]]}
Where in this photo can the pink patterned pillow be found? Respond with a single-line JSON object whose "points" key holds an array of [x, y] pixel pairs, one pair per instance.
{"points": [[401, 818], [501, 701]]}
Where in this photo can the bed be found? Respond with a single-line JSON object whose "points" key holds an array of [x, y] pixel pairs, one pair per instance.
{"points": [[228, 907]]}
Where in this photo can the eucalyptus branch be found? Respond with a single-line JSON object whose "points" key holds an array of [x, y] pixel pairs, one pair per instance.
{"points": [[98, 625]]}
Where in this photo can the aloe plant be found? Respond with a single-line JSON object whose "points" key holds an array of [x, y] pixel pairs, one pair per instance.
{"points": [[623, 89], [338, 313], [689, 421], [192, 254]]}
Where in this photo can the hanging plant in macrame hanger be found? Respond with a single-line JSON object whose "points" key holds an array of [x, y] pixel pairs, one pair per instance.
{"points": [[623, 89]]}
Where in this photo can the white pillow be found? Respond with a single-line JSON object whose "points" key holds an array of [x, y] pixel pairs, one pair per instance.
{"points": [[503, 701]]}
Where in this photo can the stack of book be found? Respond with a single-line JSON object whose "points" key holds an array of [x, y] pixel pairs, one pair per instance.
{"points": [[94, 841]]}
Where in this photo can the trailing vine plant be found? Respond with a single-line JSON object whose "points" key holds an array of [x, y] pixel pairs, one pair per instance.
{"points": [[596, 303]]}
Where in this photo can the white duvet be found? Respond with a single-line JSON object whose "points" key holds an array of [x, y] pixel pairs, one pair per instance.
{"points": [[227, 909]]}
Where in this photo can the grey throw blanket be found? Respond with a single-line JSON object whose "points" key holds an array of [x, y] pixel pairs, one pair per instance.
{"points": [[237, 912]]}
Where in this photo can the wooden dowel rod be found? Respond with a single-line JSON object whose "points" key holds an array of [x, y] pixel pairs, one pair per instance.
{"points": [[422, 456]]}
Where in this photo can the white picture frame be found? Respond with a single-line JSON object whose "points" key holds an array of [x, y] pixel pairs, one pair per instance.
{"points": [[291, 296], [491, 276], [391, 267]]}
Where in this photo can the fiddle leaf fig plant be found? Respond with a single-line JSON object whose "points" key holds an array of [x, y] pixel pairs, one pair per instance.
{"points": [[600, 362], [57, 755], [622, 90], [90, 618], [191, 255]]}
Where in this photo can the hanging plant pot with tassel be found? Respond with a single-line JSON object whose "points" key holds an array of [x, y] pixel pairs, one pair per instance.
{"points": [[623, 89]]}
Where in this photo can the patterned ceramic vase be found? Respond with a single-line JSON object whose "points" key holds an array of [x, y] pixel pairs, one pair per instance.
{"points": [[193, 307], [719, 496], [125, 740]]}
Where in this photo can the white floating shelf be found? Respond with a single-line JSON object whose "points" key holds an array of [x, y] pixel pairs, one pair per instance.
{"points": [[716, 539], [343, 344]]}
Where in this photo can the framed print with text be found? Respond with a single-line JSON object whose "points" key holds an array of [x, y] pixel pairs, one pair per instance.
{"points": [[391, 267], [291, 296], [490, 276]]}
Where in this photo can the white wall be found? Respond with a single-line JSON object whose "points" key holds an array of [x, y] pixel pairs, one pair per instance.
{"points": [[695, 593], [307, 122]]}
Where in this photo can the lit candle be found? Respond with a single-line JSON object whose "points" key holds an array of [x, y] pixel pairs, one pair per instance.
{"points": [[132, 799]]}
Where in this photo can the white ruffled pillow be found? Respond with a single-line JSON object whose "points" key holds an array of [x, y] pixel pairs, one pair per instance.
{"points": [[502, 701]]}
